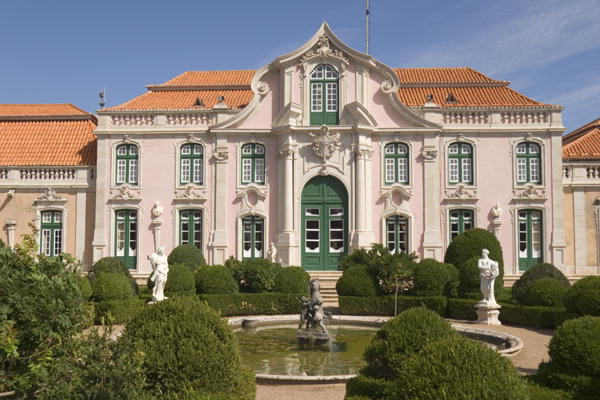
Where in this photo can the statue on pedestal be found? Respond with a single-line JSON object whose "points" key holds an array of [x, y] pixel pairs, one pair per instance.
{"points": [[487, 308], [311, 328], [160, 272], [272, 252]]}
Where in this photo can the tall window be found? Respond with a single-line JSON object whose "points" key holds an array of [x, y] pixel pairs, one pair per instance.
{"points": [[51, 235], [528, 163], [460, 221], [396, 163], [190, 227], [126, 237], [253, 163], [191, 157], [253, 237], [530, 238], [324, 96], [460, 163], [127, 164], [397, 233]]}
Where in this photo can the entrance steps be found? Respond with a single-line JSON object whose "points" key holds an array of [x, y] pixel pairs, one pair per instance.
{"points": [[328, 279]]}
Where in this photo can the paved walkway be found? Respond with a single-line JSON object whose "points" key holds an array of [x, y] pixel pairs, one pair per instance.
{"points": [[535, 350]]}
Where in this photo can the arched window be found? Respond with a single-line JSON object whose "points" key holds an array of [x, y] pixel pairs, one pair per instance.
{"points": [[253, 163], [190, 227], [51, 233], [397, 233], [253, 237], [127, 164], [531, 251], [528, 163], [324, 98], [460, 163], [191, 158], [460, 221], [396, 163]]}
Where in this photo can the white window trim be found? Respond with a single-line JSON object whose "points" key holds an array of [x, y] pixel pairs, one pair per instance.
{"points": [[411, 162], [460, 206], [243, 140], [513, 153], [462, 138], [411, 231], [546, 245], [140, 236], [240, 233], [113, 161], [38, 224], [177, 144], [305, 78], [175, 224]]}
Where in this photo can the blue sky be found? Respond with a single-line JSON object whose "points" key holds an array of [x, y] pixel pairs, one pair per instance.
{"points": [[67, 50]]}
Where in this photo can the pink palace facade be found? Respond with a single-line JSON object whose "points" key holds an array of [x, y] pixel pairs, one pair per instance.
{"points": [[325, 150]]}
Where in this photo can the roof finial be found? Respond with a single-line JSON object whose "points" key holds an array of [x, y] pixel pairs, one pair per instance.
{"points": [[102, 96]]}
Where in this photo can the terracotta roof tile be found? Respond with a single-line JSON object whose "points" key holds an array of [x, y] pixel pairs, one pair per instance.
{"points": [[62, 139], [469, 87], [583, 143]]}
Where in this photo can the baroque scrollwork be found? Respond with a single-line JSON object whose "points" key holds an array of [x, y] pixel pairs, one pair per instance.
{"points": [[263, 88], [221, 154], [125, 192], [396, 197], [429, 153], [325, 143], [460, 192], [252, 197], [50, 195], [530, 192], [387, 87], [190, 193], [323, 48]]}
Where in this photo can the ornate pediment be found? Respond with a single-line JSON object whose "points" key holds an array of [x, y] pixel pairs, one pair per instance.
{"points": [[396, 197], [125, 193], [325, 143], [461, 192], [531, 193], [50, 197], [190, 193], [252, 198], [324, 48]]}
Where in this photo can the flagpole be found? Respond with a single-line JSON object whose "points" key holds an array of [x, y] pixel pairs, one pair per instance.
{"points": [[367, 18]]}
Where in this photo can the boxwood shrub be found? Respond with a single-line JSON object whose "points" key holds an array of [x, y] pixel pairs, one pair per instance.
{"points": [[469, 244], [187, 347], [539, 271], [215, 279], [534, 316], [187, 254], [108, 286], [115, 266], [433, 278], [384, 305], [291, 280], [461, 308], [253, 303], [366, 388], [357, 281], [258, 275], [85, 287], [117, 311], [547, 292], [583, 298], [180, 281], [575, 348], [469, 278]]}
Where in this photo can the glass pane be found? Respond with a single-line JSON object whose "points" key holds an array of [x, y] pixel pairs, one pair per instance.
{"points": [[312, 235], [521, 170], [453, 149], [121, 171], [467, 176], [46, 242], [57, 218], [312, 224], [259, 170], [336, 224], [46, 217], [122, 150], [133, 150], [186, 149], [402, 170], [402, 148], [197, 149], [316, 97], [312, 246], [336, 211], [465, 148], [390, 175], [534, 169], [259, 149], [185, 170], [247, 149], [311, 212], [453, 173], [522, 148], [246, 170], [57, 242], [133, 171], [331, 97], [390, 148], [534, 148], [318, 72]]}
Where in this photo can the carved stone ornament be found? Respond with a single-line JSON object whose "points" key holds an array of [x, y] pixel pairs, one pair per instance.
{"points": [[157, 210], [252, 196], [363, 153], [190, 193], [323, 48], [395, 198], [430, 153], [460, 192], [125, 192], [262, 88], [287, 152], [387, 87], [221, 154], [530, 192], [325, 143], [50, 196]]}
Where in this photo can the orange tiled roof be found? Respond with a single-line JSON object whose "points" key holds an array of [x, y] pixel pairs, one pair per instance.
{"points": [[470, 88], [583, 143], [46, 135]]}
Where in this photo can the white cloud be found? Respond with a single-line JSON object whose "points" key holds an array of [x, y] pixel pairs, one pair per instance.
{"points": [[540, 34]]}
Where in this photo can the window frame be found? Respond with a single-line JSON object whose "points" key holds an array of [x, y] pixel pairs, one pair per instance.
{"points": [[127, 158], [528, 156], [528, 220], [328, 88], [461, 221], [191, 157], [127, 230], [396, 220], [460, 157], [52, 227], [252, 159], [190, 220], [253, 220], [394, 158]]}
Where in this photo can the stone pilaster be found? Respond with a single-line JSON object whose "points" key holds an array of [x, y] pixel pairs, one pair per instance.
{"points": [[362, 234], [218, 245], [558, 230], [287, 245], [102, 187], [11, 225], [432, 238]]}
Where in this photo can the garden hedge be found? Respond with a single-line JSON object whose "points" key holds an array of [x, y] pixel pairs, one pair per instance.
{"points": [[215, 279], [115, 266], [433, 278], [254, 303], [187, 254], [291, 280], [258, 276], [357, 281], [110, 286], [187, 347], [384, 305], [539, 271], [117, 311], [583, 298], [547, 292], [534, 316], [469, 244]]}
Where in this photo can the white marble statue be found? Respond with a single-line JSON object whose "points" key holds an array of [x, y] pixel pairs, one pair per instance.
{"points": [[488, 272], [272, 252], [497, 211], [160, 267]]}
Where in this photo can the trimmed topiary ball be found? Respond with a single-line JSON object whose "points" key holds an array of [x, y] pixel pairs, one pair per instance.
{"points": [[459, 369], [430, 278], [469, 244], [259, 275], [108, 286], [180, 281], [357, 281], [187, 254], [291, 280], [188, 348], [115, 266], [453, 286], [583, 298], [215, 279], [575, 347], [539, 271], [545, 292], [469, 278], [401, 336]]}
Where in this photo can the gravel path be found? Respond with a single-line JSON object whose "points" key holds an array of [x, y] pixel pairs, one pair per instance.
{"points": [[535, 350]]}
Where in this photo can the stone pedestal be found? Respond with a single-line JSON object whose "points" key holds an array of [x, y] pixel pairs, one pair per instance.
{"points": [[487, 314], [312, 337]]}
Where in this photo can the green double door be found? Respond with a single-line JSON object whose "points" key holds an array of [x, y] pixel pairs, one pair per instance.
{"points": [[324, 209]]}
